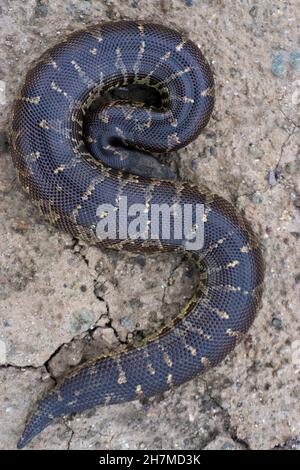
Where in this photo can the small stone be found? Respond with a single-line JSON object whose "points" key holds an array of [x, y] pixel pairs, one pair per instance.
{"points": [[208, 151], [257, 152], [227, 446], [253, 11], [256, 198], [189, 3], [279, 64], [293, 196], [272, 180], [194, 164], [82, 320], [140, 259], [277, 323], [100, 289], [41, 9], [295, 59], [127, 323], [296, 235], [106, 335], [296, 201]]}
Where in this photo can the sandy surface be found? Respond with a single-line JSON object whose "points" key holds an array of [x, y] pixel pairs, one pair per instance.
{"points": [[62, 301]]}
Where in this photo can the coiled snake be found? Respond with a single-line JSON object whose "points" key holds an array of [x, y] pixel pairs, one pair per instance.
{"points": [[74, 151]]}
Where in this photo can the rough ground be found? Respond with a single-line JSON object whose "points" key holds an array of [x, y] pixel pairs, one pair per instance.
{"points": [[62, 301]]}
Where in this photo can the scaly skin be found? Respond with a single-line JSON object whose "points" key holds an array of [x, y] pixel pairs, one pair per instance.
{"points": [[57, 147]]}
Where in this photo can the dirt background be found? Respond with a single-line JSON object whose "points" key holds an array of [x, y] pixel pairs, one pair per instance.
{"points": [[62, 301]]}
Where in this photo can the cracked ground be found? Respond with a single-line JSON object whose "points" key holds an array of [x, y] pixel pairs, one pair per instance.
{"points": [[62, 302]]}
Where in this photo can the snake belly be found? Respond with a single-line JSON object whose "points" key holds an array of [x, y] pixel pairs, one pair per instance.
{"points": [[66, 173]]}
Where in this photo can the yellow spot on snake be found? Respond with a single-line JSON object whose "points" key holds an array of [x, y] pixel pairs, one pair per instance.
{"points": [[208, 92], [43, 124], [168, 360], [233, 264], [93, 370], [234, 334], [205, 361], [122, 378], [169, 378], [173, 139], [73, 402], [34, 100], [186, 99], [55, 87], [138, 388], [105, 119], [223, 315], [180, 45], [151, 369], [59, 169]]}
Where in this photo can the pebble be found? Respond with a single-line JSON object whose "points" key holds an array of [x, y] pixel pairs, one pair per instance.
{"points": [[140, 259], [278, 64], [81, 9], [208, 151], [277, 323], [82, 320], [227, 446], [105, 334], [41, 9], [272, 180], [257, 152], [189, 3], [296, 201], [256, 198], [253, 11], [127, 323], [295, 59]]}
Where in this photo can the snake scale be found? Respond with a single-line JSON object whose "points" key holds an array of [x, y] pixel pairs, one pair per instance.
{"points": [[74, 152]]}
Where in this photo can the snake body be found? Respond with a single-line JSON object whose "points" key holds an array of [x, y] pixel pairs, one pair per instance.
{"points": [[70, 161]]}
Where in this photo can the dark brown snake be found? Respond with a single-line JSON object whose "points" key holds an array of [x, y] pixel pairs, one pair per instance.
{"points": [[75, 149]]}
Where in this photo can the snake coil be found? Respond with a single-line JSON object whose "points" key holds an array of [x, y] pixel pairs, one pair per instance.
{"points": [[72, 156]]}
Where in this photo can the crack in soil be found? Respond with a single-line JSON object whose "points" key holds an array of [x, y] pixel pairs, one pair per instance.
{"points": [[228, 427]]}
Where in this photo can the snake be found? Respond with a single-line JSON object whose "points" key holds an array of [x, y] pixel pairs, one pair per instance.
{"points": [[81, 138]]}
